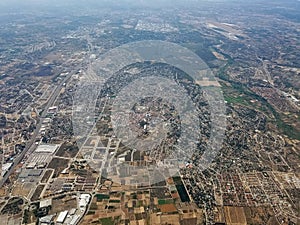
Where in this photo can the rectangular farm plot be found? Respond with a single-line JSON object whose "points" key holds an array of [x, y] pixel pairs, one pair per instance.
{"points": [[235, 215]]}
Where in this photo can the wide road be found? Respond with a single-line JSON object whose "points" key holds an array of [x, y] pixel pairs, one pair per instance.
{"points": [[30, 146]]}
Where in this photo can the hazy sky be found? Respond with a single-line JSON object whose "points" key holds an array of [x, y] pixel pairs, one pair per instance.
{"points": [[18, 5]]}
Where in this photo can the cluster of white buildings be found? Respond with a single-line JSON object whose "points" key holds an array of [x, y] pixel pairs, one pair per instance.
{"points": [[67, 217], [84, 201]]}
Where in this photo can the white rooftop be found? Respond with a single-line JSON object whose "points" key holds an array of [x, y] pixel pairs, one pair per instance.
{"points": [[62, 216], [46, 148], [45, 203], [84, 200]]}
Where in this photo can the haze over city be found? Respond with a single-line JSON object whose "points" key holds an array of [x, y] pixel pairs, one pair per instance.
{"points": [[149, 112]]}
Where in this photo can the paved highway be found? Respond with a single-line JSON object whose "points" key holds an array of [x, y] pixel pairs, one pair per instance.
{"points": [[30, 146]]}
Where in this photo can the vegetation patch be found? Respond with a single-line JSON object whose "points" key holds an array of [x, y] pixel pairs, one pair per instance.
{"points": [[165, 201]]}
